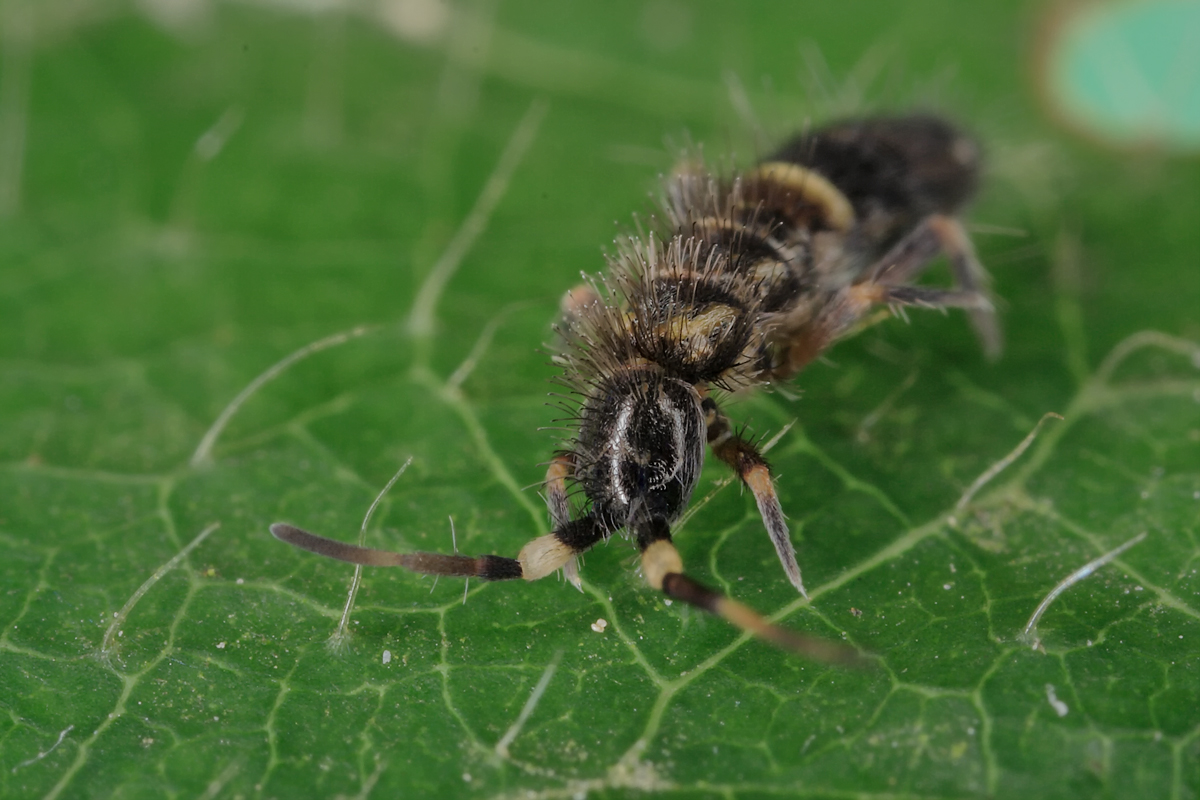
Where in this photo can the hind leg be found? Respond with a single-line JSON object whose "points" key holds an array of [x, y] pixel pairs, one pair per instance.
{"points": [[936, 235]]}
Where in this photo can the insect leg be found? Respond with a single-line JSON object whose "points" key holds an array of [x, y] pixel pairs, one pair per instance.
{"points": [[663, 570], [574, 304], [910, 256], [561, 468], [537, 558], [932, 297], [743, 457], [489, 568]]}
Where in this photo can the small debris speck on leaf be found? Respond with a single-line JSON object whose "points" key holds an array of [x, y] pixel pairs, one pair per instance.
{"points": [[1059, 706]]}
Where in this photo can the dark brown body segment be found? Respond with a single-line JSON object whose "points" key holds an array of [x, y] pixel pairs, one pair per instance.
{"points": [[895, 171]]}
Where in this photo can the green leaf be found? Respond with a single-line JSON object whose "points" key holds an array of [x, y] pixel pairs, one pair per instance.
{"points": [[189, 199]]}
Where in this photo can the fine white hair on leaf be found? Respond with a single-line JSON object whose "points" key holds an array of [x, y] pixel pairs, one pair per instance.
{"points": [[534, 698], [119, 617], [774, 440], [339, 637], [484, 341], [1003, 463], [204, 450], [421, 318], [213, 141], [43, 753], [1029, 635]]}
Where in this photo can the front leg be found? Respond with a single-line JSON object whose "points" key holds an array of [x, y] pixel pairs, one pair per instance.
{"points": [[562, 467], [743, 457]]}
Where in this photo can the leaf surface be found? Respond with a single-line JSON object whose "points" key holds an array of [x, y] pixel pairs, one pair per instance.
{"points": [[197, 202]]}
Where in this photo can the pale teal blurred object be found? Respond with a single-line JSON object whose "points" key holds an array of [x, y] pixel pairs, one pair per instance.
{"points": [[1128, 73]]}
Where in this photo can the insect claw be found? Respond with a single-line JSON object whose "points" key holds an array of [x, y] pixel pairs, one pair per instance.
{"points": [[571, 573]]}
